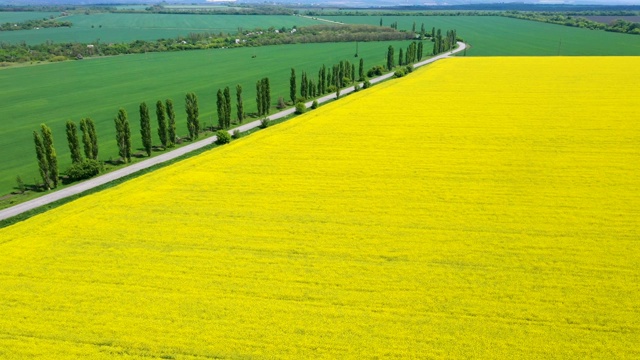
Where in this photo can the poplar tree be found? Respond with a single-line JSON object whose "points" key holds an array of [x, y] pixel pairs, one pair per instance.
{"points": [[43, 164], [74, 144], [259, 98], [145, 128], [361, 70], [171, 115], [162, 123], [337, 86], [239, 104], [193, 123], [420, 50], [412, 52], [89, 138], [93, 136], [86, 138], [227, 107], [353, 73], [292, 85], [123, 135], [266, 93], [50, 152], [400, 58], [304, 86], [390, 60], [220, 103], [311, 90]]}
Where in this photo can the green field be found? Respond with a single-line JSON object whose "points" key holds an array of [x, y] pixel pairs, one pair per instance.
{"points": [[109, 27], [97, 88], [11, 16], [500, 36]]}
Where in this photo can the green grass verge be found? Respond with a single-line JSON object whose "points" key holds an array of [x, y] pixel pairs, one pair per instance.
{"points": [[97, 88], [115, 27], [501, 36]]}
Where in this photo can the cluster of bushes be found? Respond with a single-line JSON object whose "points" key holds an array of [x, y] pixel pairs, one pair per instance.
{"points": [[403, 71], [85, 169]]}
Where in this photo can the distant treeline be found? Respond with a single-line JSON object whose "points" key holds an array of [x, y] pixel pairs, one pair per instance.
{"points": [[49, 51], [503, 6], [34, 24], [573, 18], [577, 20], [235, 10], [360, 12], [28, 8]]}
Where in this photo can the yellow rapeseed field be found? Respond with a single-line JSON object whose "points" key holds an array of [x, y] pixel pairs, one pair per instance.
{"points": [[478, 208]]}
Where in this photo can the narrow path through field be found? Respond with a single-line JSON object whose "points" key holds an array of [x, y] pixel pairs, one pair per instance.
{"points": [[106, 178]]}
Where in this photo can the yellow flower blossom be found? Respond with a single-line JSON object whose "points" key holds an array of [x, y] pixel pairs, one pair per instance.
{"points": [[477, 208]]}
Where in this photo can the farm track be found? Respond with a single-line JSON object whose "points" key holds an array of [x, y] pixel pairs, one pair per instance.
{"points": [[115, 175]]}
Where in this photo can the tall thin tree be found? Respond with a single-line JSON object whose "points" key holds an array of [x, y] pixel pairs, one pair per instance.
{"points": [[43, 164], [74, 144], [86, 138], [259, 98], [193, 123], [162, 123], [390, 59], [145, 128], [50, 151], [123, 135], [353, 73], [303, 85], [171, 115], [239, 104], [220, 103], [93, 136], [292, 85], [266, 92], [227, 106]]}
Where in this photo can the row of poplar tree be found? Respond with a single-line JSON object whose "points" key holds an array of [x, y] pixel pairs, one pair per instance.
{"points": [[166, 118], [415, 50], [328, 80], [46, 153]]}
